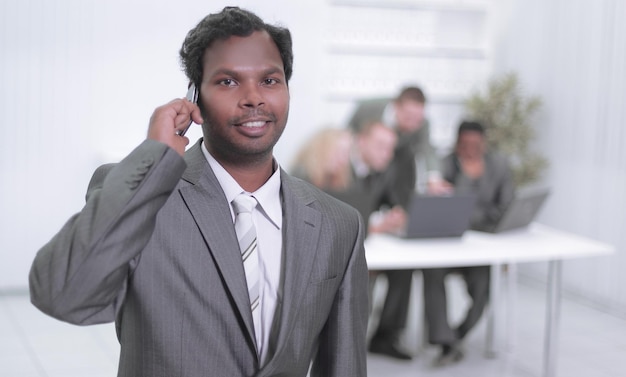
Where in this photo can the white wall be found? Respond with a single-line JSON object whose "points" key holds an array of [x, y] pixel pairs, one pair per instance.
{"points": [[573, 55]]}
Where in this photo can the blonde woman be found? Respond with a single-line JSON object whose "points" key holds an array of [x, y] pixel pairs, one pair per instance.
{"points": [[324, 160]]}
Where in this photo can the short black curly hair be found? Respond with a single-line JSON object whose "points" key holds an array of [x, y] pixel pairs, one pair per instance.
{"points": [[231, 21], [468, 125]]}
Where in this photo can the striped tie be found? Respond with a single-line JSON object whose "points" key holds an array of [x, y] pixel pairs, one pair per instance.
{"points": [[246, 235]]}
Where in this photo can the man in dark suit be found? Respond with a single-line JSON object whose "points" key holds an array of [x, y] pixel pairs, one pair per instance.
{"points": [[375, 177], [416, 164], [159, 248], [471, 169]]}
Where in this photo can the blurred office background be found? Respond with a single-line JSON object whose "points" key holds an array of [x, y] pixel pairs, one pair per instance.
{"points": [[80, 79]]}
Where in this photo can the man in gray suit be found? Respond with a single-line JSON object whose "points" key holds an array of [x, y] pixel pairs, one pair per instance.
{"points": [[155, 249], [471, 169]]}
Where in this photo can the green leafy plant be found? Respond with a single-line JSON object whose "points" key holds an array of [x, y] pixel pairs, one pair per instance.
{"points": [[506, 113]]}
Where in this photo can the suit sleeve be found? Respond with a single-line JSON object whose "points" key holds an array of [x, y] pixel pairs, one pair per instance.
{"points": [[450, 168], [80, 276], [503, 190], [504, 193], [342, 350]]}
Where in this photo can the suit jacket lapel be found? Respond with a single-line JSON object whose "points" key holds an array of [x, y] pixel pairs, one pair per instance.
{"points": [[208, 206], [301, 230]]}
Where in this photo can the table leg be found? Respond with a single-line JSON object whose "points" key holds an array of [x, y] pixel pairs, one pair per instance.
{"points": [[494, 300], [511, 310], [551, 336]]}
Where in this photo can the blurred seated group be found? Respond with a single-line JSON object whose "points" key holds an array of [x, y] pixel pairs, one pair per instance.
{"points": [[377, 163]]}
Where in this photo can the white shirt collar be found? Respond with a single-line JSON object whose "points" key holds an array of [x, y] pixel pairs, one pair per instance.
{"points": [[267, 195]]}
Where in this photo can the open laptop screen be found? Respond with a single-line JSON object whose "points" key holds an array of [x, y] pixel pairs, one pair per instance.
{"points": [[439, 216], [521, 211]]}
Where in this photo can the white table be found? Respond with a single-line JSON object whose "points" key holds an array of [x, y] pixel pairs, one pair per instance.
{"points": [[535, 243]]}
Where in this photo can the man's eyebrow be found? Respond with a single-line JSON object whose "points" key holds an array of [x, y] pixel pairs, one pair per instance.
{"points": [[273, 70], [230, 72], [224, 71]]}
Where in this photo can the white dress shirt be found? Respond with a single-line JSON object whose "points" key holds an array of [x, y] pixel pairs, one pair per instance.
{"points": [[267, 218]]}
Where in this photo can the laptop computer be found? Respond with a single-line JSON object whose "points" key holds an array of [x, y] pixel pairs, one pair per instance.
{"points": [[521, 211], [439, 216]]}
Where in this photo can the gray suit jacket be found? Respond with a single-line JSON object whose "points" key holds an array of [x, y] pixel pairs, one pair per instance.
{"points": [[155, 249]]}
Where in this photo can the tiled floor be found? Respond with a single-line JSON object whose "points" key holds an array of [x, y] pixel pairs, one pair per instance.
{"points": [[592, 343]]}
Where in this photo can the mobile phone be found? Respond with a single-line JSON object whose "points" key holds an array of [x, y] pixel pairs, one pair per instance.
{"points": [[192, 96]]}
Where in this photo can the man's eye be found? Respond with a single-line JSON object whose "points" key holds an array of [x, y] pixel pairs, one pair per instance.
{"points": [[270, 81], [227, 82]]}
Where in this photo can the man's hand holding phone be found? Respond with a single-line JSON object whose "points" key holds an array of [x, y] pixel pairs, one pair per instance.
{"points": [[169, 122]]}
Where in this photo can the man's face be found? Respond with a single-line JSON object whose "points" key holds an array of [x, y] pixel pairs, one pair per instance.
{"points": [[470, 145], [409, 115], [377, 147], [244, 98]]}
